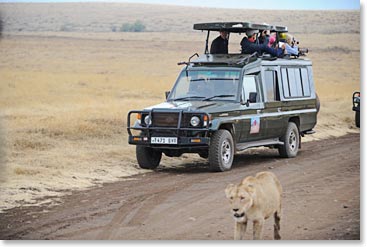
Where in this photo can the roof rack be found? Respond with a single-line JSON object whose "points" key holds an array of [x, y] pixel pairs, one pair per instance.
{"points": [[236, 27]]}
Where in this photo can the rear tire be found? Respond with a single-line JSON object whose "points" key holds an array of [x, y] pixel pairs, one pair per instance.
{"points": [[357, 118], [148, 158], [221, 151], [291, 141]]}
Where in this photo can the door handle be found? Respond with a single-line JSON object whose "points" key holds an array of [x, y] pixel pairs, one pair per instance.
{"points": [[279, 109], [258, 111]]}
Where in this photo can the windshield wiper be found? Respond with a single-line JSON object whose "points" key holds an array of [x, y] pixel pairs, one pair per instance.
{"points": [[200, 79], [219, 96], [215, 79], [189, 97], [223, 79]]}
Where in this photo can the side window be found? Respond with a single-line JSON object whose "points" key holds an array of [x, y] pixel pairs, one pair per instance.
{"points": [[305, 82], [295, 82], [285, 83], [292, 82], [250, 89], [271, 84]]}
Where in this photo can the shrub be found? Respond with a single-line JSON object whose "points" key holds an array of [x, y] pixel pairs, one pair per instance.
{"points": [[65, 28], [137, 26]]}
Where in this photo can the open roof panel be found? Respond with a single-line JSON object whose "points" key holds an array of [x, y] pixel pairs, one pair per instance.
{"points": [[237, 27]]}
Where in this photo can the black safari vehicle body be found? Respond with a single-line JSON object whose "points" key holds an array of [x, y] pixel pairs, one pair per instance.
{"points": [[223, 104]]}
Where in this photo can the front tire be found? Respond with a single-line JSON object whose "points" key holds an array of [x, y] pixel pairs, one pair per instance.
{"points": [[291, 141], [148, 158], [221, 151]]}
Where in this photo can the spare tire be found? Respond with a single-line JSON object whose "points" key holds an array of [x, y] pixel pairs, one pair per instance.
{"points": [[317, 104]]}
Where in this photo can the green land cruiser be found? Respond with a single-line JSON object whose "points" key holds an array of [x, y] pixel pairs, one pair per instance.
{"points": [[224, 104]]}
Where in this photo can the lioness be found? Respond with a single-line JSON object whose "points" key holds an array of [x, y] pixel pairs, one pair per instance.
{"points": [[255, 199]]}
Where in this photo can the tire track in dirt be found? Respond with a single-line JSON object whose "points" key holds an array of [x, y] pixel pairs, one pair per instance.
{"points": [[133, 211]]}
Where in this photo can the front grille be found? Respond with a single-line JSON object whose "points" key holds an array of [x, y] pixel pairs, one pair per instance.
{"points": [[162, 119]]}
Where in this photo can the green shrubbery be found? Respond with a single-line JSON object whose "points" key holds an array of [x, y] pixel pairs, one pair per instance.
{"points": [[137, 26], [66, 28]]}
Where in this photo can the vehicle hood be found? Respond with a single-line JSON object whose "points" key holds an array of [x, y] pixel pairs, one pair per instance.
{"points": [[205, 106]]}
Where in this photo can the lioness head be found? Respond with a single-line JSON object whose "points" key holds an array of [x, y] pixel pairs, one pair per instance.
{"points": [[241, 199]]}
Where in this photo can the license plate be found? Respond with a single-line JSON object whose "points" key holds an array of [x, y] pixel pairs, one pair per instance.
{"points": [[163, 140]]}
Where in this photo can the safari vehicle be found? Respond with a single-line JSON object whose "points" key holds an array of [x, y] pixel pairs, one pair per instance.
{"points": [[224, 104], [356, 107]]}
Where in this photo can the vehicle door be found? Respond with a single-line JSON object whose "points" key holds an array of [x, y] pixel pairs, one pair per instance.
{"points": [[253, 128], [274, 120]]}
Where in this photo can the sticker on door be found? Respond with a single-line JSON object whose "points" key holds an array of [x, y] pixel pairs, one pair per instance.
{"points": [[255, 125]]}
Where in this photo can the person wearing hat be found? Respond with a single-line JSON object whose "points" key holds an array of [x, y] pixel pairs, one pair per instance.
{"points": [[264, 37], [291, 47], [220, 44], [249, 46]]}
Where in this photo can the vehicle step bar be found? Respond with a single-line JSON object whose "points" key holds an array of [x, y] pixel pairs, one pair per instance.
{"points": [[309, 132], [267, 142]]}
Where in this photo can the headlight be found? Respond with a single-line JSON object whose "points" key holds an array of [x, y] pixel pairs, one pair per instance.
{"points": [[195, 121], [147, 120]]}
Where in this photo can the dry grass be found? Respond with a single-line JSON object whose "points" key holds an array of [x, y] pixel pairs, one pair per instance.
{"points": [[64, 97]]}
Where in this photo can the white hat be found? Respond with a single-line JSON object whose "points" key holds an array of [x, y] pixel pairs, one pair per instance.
{"points": [[251, 32]]}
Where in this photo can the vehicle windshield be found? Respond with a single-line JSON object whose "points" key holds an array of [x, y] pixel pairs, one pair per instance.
{"points": [[206, 85]]}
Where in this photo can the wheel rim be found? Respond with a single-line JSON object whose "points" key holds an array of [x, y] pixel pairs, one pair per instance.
{"points": [[292, 141], [226, 152]]}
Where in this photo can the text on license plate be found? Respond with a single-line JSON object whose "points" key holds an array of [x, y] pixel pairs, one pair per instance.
{"points": [[163, 140]]}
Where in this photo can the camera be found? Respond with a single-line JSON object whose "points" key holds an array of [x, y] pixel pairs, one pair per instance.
{"points": [[294, 42], [302, 51]]}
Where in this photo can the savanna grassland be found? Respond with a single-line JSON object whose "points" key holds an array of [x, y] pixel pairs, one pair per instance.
{"points": [[68, 77]]}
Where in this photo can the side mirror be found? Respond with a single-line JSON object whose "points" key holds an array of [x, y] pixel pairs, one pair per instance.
{"points": [[252, 97], [246, 103], [167, 94]]}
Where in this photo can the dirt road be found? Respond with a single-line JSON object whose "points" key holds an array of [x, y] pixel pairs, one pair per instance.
{"points": [[321, 200]]}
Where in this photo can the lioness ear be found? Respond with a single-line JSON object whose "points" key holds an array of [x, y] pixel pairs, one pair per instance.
{"points": [[229, 189], [251, 189]]}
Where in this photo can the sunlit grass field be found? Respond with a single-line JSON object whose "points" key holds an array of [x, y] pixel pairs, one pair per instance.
{"points": [[64, 99]]}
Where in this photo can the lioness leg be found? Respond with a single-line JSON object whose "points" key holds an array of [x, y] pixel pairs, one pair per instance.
{"points": [[258, 227], [239, 230], [276, 226]]}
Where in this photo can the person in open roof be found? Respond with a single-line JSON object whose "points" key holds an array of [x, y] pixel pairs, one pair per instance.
{"points": [[220, 44], [290, 43], [272, 40], [264, 37], [249, 45]]}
